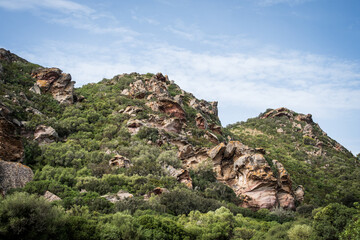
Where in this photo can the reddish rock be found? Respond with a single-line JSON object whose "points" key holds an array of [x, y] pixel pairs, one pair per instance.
{"points": [[247, 172], [201, 121], [171, 108]]}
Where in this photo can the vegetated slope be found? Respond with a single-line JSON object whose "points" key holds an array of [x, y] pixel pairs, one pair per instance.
{"points": [[328, 171], [132, 157]]}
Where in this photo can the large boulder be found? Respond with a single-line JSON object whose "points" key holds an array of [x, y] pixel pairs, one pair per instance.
{"points": [[13, 175], [247, 172], [55, 82]]}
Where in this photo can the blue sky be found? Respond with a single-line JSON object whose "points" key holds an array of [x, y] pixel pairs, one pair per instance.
{"points": [[249, 55]]}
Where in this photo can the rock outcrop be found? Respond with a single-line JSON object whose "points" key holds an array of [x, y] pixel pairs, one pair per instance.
{"points": [[181, 175], [11, 147], [13, 175], [119, 162], [248, 173], [55, 82], [45, 134]]}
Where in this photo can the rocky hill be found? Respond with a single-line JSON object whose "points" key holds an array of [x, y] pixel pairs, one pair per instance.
{"points": [[327, 170], [138, 141]]}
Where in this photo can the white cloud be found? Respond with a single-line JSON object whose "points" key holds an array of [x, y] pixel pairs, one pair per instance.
{"points": [[71, 14], [58, 5]]}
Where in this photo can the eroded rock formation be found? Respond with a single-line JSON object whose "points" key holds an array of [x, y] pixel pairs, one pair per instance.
{"points": [[248, 173], [55, 82]]}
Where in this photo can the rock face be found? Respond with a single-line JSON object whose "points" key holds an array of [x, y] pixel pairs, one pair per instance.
{"points": [[248, 173], [52, 80], [44, 134], [119, 162], [11, 147], [13, 175]]}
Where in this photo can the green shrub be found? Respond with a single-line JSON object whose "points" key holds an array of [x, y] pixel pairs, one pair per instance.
{"points": [[25, 216]]}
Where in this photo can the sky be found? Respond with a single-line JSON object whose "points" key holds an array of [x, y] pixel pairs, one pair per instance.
{"points": [[249, 55]]}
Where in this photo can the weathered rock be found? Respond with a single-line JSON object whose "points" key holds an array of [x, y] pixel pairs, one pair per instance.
{"points": [[51, 197], [119, 162], [216, 153], [35, 89], [45, 134], [211, 137], [247, 172], [173, 125], [215, 128], [137, 89], [134, 125], [181, 175], [131, 110], [121, 195], [204, 106], [198, 156], [13, 175], [279, 112], [186, 151], [11, 147], [201, 121], [304, 118], [52, 80], [299, 193], [171, 108]]}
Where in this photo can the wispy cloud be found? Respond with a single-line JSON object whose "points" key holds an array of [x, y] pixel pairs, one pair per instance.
{"points": [[72, 14], [266, 3], [58, 5]]}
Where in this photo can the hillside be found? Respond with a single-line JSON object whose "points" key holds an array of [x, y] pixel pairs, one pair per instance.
{"points": [[136, 157]]}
